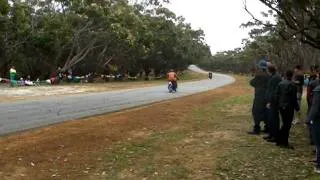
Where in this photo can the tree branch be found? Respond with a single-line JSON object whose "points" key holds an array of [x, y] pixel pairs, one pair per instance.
{"points": [[253, 17]]}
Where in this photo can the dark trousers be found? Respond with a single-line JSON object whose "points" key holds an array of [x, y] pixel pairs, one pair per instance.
{"points": [[316, 138], [310, 135], [273, 122], [260, 114], [287, 118], [174, 85], [309, 125]]}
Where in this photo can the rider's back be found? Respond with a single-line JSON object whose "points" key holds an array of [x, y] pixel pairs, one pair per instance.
{"points": [[172, 76]]}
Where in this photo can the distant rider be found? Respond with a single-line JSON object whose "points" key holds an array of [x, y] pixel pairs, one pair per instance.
{"points": [[172, 77]]}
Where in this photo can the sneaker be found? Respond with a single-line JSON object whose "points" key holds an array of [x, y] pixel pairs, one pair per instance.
{"points": [[317, 170], [254, 133]]}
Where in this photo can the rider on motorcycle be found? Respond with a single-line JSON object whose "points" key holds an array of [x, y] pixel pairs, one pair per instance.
{"points": [[172, 78]]}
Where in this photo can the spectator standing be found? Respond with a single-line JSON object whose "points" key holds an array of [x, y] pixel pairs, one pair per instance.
{"points": [[13, 75], [259, 110], [286, 95], [299, 81], [313, 83], [273, 113], [314, 119]]}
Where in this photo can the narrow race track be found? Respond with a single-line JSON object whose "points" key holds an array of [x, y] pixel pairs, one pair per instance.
{"points": [[26, 115]]}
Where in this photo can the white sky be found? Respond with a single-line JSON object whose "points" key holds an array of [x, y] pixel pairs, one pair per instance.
{"points": [[220, 19]]}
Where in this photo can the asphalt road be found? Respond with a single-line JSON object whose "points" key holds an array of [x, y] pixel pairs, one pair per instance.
{"points": [[24, 115]]}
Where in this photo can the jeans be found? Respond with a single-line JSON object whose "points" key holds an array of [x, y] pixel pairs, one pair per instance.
{"points": [[174, 85]]}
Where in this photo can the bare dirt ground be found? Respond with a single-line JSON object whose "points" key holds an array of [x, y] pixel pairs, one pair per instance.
{"points": [[82, 149], [8, 94]]}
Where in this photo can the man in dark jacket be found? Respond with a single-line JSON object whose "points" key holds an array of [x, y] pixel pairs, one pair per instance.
{"points": [[273, 113], [286, 95], [314, 118], [299, 81], [313, 83], [259, 110]]}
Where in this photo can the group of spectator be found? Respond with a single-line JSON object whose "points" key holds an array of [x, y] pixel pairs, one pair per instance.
{"points": [[277, 103], [22, 81]]}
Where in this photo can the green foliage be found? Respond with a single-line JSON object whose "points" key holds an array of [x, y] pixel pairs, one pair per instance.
{"points": [[299, 18], [284, 46], [4, 7], [92, 36]]}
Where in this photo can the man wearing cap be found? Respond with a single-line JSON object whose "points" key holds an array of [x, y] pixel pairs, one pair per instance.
{"points": [[259, 111]]}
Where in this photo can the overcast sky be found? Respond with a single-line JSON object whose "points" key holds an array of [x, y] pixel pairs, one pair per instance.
{"points": [[220, 19]]}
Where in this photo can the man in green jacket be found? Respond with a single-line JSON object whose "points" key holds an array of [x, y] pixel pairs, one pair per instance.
{"points": [[13, 76]]}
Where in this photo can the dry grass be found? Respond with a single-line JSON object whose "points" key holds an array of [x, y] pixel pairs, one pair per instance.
{"points": [[253, 158]]}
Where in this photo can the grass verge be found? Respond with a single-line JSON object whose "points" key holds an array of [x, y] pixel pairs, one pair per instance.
{"points": [[198, 137], [252, 158], [212, 143]]}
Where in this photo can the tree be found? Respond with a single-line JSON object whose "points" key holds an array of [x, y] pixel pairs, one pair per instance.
{"points": [[94, 35], [298, 19]]}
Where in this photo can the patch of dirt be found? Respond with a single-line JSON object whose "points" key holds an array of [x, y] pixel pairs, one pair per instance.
{"points": [[74, 149], [40, 91], [27, 93], [236, 110], [139, 133], [8, 94], [126, 174], [222, 135]]}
